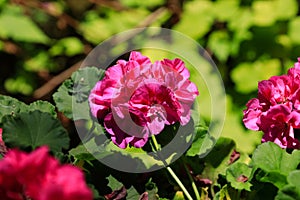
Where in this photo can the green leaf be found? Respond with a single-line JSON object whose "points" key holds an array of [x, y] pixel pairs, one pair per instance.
{"points": [[200, 12], [33, 129], [286, 9], [21, 84], [40, 62], [225, 10], [69, 46], [201, 144], [220, 44], [238, 175], [275, 162], [259, 70], [151, 189], [263, 13], [43, 106], [81, 153], [293, 30], [223, 194], [276, 178], [20, 27], [10, 106], [218, 159], [270, 157], [132, 193], [292, 190], [71, 97], [113, 183]]}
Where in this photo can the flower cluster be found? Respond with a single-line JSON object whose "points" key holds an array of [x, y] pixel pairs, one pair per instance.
{"points": [[39, 176], [276, 110], [137, 98]]}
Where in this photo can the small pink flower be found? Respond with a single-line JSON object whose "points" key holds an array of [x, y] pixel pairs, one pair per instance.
{"points": [[39, 176], [137, 98], [276, 109]]}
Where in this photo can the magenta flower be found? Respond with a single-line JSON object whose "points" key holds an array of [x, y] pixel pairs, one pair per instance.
{"points": [[39, 176], [137, 98], [276, 110], [1, 140]]}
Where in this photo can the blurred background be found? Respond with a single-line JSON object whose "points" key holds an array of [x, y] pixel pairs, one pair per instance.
{"points": [[43, 42]]}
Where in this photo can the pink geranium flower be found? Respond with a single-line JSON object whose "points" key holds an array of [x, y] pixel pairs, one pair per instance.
{"points": [[137, 98], [1, 140], [276, 109], [39, 176]]}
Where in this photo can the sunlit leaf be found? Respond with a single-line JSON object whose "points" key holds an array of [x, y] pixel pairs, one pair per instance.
{"points": [[263, 13], [41, 61], [20, 27], [246, 141], [259, 70], [238, 175], [293, 30], [201, 13], [10, 106], [275, 162], [220, 45], [21, 84], [201, 144], [226, 10], [69, 46], [286, 9], [42, 106], [71, 97]]}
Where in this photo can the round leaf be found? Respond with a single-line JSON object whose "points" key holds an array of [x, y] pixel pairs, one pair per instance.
{"points": [[10, 106], [238, 175], [34, 129]]}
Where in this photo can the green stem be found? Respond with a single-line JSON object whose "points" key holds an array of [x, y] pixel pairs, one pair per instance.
{"points": [[172, 173], [192, 182], [239, 194]]}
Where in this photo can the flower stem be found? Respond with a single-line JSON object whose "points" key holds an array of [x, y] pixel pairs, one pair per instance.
{"points": [[192, 182], [172, 173]]}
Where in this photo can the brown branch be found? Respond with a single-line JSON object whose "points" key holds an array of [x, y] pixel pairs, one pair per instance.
{"points": [[116, 5], [152, 17], [55, 81]]}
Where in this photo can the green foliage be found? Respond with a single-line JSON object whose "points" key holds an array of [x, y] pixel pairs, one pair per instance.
{"points": [[20, 84], [23, 28], [292, 190], [260, 70], [249, 41], [218, 159], [10, 106], [42, 106], [238, 175], [202, 142], [67, 46], [71, 97], [32, 129], [275, 163]]}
